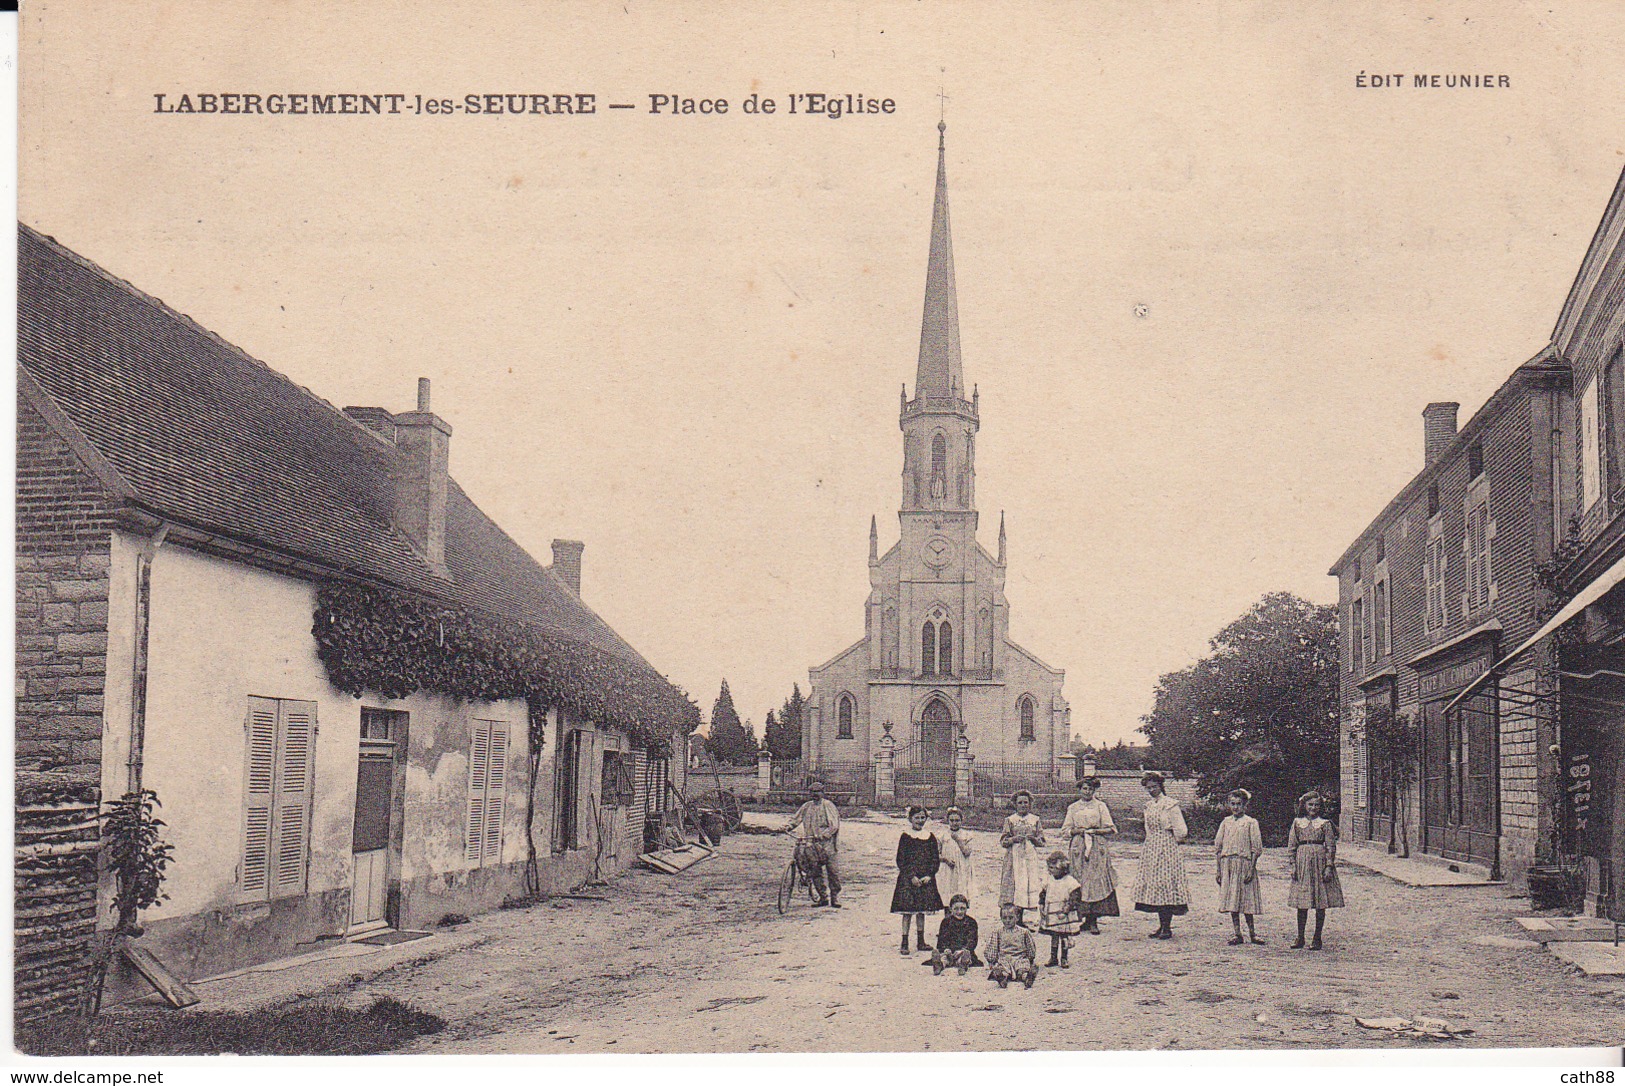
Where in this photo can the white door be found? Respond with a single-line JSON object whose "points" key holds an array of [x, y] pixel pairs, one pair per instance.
{"points": [[369, 887]]}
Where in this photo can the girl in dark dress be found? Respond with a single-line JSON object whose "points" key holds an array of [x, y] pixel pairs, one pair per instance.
{"points": [[917, 861]]}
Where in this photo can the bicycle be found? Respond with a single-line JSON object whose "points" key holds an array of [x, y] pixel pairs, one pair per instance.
{"points": [[802, 869]]}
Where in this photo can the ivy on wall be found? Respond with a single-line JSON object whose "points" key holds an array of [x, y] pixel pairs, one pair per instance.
{"points": [[394, 644]]}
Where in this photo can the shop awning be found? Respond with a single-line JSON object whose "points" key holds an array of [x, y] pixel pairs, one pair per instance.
{"points": [[1587, 596]]}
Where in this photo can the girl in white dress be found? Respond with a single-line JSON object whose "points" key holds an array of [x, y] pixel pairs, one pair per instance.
{"points": [[957, 875], [1236, 849], [1024, 872]]}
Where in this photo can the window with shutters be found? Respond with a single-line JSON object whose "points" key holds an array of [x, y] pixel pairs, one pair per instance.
{"points": [[279, 778], [1380, 617], [1433, 570], [1590, 461], [1476, 544], [1357, 626], [616, 786], [487, 792]]}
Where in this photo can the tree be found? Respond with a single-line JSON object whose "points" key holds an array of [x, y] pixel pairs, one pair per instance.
{"points": [[728, 740], [783, 734], [1121, 756], [1394, 741], [1259, 713]]}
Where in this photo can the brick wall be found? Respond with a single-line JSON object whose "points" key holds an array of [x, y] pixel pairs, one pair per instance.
{"points": [[1509, 448], [63, 554]]}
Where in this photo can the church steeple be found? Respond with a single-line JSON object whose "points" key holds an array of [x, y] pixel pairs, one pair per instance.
{"points": [[939, 424], [940, 375]]}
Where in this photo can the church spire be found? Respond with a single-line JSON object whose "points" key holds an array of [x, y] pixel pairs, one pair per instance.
{"points": [[1001, 537], [940, 374], [874, 540]]}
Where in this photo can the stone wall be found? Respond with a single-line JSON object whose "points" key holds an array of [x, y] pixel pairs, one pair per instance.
{"points": [[64, 526]]}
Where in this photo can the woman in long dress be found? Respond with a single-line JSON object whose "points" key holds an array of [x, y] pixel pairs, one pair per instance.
{"points": [[1162, 887], [957, 875], [1312, 845], [1087, 825], [1024, 871]]}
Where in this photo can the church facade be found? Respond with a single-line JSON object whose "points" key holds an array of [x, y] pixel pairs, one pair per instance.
{"points": [[936, 662]]}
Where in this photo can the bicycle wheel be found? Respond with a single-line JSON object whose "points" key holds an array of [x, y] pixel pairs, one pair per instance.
{"points": [[787, 887]]}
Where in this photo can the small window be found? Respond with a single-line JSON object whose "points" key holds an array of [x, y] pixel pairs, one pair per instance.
{"points": [[1382, 549], [1354, 570], [1026, 709], [945, 649], [928, 649], [1433, 500], [616, 786], [843, 718], [1475, 460], [382, 725]]}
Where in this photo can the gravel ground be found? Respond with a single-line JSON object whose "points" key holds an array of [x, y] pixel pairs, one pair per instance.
{"points": [[703, 962]]}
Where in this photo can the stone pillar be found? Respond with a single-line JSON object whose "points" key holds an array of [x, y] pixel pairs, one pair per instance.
{"points": [[1067, 771], [886, 769], [962, 763], [764, 773]]}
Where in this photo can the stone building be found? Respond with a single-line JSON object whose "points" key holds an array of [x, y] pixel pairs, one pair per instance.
{"points": [[360, 703], [936, 668], [1483, 604]]}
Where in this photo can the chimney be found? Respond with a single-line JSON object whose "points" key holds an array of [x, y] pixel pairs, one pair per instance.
{"points": [[423, 444], [567, 563], [376, 419], [1438, 429]]}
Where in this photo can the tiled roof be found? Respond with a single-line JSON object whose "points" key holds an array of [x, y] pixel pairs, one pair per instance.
{"points": [[206, 435]]}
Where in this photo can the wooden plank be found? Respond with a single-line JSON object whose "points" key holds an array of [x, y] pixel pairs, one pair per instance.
{"points": [[171, 987]]}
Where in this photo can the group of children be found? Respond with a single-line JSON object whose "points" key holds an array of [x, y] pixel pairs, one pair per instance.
{"points": [[1065, 907]]}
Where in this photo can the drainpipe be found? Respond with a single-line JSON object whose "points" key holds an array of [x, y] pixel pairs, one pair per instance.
{"points": [[138, 676]]}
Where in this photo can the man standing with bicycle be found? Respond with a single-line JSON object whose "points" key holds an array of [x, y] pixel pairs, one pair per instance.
{"points": [[817, 826]]}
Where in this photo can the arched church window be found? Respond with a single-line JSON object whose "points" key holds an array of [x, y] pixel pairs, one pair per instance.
{"points": [[939, 466], [843, 718], [945, 649], [928, 648], [1027, 710]]}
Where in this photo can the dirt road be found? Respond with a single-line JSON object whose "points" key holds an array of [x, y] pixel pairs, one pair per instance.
{"points": [[703, 962]]}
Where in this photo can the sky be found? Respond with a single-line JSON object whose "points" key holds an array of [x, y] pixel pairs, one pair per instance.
{"points": [[1207, 280]]}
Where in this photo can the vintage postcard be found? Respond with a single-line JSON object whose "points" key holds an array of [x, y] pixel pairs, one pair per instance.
{"points": [[820, 528]]}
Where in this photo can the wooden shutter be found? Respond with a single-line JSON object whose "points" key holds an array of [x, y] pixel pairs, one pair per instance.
{"points": [[259, 794], [496, 785], [479, 765], [296, 757]]}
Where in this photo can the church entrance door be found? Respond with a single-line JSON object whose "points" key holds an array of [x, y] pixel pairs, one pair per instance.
{"points": [[934, 761]]}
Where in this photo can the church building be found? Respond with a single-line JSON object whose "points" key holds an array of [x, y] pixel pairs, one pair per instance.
{"points": [[936, 664]]}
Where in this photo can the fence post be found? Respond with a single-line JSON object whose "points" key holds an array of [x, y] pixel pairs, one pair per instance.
{"points": [[962, 760], [764, 773], [886, 769]]}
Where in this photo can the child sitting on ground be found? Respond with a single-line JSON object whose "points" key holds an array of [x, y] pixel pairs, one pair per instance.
{"points": [[1011, 952], [956, 938], [1060, 909]]}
